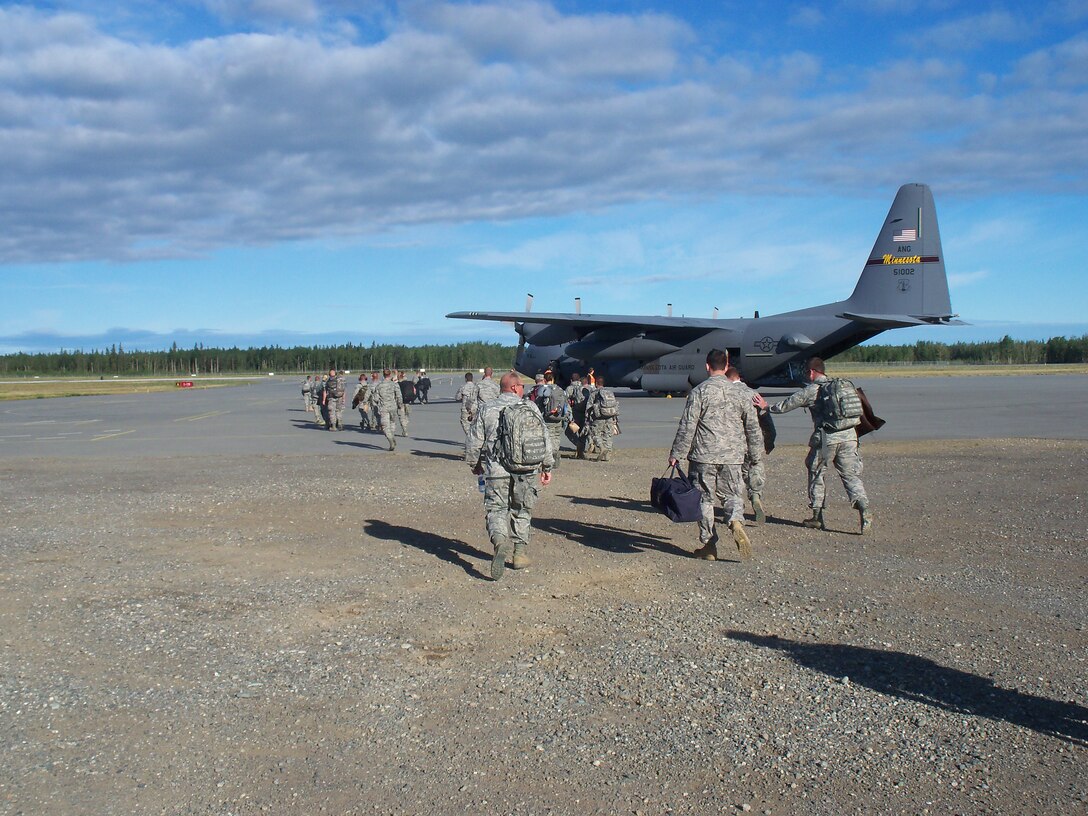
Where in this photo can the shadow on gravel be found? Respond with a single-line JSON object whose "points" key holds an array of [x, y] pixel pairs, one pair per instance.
{"points": [[442, 442], [307, 424], [923, 681], [781, 522], [613, 502], [454, 457], [608, 538], [447, 549], [361, 445]]}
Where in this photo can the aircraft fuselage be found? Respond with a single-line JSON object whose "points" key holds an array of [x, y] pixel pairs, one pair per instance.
{"points": [[768, 351]]}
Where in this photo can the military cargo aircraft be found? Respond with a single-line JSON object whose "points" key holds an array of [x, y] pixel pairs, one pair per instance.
{"points": [[902, 284]]}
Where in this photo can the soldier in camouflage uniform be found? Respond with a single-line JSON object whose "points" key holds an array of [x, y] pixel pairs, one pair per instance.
{"points": [[486, 390], [306, 402], [375, 421], [753, 472], [601, 427], [719, 427], [467, 396], [558, 423], [359, 400], [387, 403], [576, 396], [334, 400], [590, 390], [838, 447], [508, 497], [321, 411], [341, 399], [407, 394]]}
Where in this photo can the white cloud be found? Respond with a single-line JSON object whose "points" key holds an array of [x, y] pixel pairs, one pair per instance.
{"points": [[122, 148], [959, 280], [538, 37], [562, 253], [1061, 66], [974, 31], [806, 17], [289, 11]]}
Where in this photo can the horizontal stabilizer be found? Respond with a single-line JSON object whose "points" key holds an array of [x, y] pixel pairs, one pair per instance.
{"points": [[886, 321]]}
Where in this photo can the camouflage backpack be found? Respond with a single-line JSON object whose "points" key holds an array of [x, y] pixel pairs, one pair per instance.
{"points": [[552, 403], [522, 440], [606, 405], [839, 405]]}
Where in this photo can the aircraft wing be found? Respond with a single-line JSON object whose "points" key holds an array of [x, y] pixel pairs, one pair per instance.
{"points": [[587, 322]]}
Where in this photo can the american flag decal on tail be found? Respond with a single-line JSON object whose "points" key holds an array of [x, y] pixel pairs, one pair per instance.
{"points": [[909, 233]]}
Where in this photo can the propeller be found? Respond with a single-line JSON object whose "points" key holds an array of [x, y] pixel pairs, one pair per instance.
{"points": [[520, 329]]}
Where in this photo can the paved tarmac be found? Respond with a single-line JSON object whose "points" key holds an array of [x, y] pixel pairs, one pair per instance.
{"points": [[266, 417]]}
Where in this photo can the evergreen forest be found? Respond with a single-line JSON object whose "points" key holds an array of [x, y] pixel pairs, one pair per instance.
{"points": [[466, 356]]}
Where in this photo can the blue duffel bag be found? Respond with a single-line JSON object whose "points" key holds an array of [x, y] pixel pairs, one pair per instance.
{"points": [[675, 495]]}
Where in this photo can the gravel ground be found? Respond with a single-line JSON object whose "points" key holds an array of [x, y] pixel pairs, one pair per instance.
{"points": [[242, 635]]}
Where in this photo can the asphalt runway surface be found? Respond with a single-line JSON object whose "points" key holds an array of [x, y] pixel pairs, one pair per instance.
{"points": [[266, 416]]}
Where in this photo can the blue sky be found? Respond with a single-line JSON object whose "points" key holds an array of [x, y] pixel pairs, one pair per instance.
{"points": [[298, 171]]}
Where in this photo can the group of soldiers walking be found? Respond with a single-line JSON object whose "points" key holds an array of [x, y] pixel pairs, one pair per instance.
{"points": [[383, 404], [323, 396], [720, 436], [512, 442], [586, 411]]}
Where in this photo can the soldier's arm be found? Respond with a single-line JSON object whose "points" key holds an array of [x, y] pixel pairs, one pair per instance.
{"points": [[799, 399], [549, 448], [685, 432], [753, 433], [474, 441]]}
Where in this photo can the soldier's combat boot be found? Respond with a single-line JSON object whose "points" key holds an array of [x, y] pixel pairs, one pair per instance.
{"points": [[502, 552], [744, 546], [757, 508], [604, 456], [709, 551], [817, 520], [521, 560], [864, 515]]}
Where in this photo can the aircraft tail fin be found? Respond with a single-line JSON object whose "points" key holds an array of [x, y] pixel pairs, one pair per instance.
{"points": [[904, 281]]}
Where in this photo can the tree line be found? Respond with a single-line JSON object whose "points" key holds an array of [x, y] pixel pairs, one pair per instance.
{"points": [[1005, 351], [457, 356], [201, 359]]}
